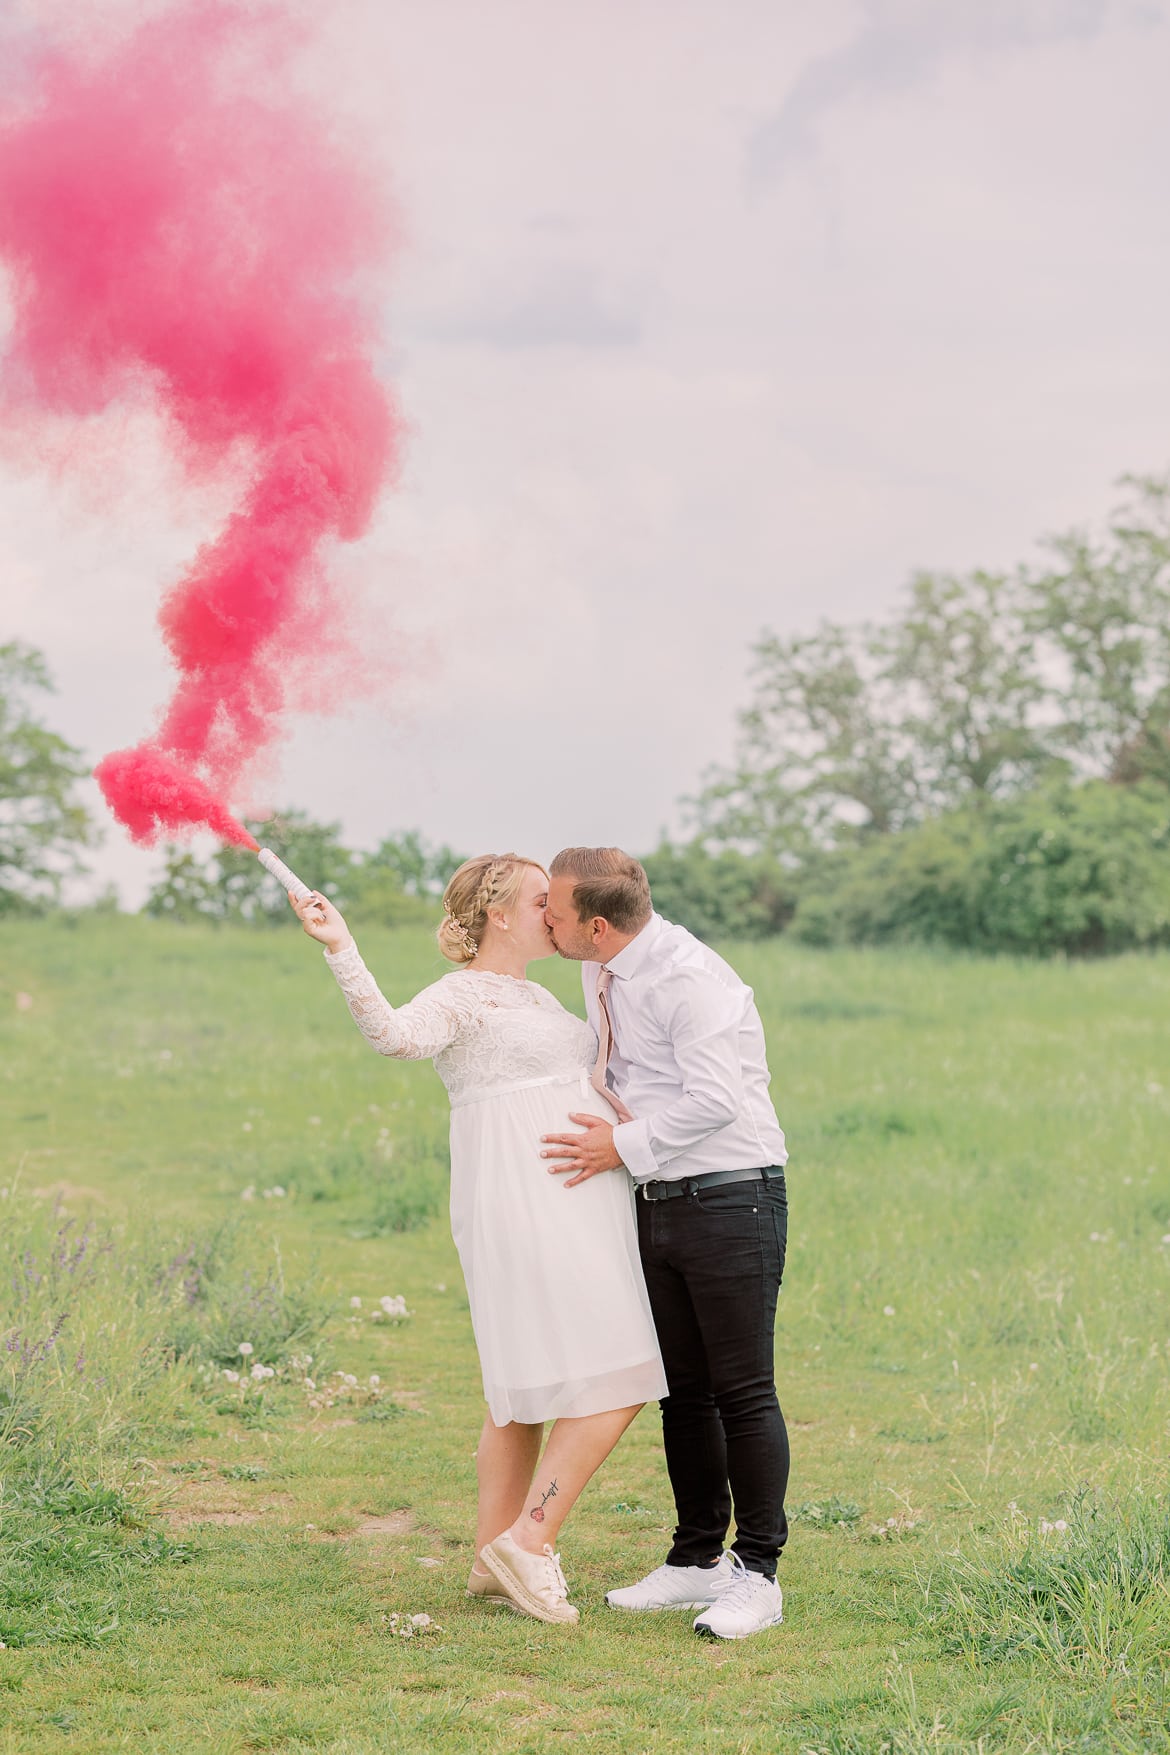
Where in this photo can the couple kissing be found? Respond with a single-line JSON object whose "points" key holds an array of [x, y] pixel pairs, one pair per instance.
{"points": [[619, 1209]]}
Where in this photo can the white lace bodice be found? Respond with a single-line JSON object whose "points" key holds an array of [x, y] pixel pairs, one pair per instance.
{"points": [[484, 1032]]}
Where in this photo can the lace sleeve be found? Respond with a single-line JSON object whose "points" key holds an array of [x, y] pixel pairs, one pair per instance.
{"points": [[430, 1022]]}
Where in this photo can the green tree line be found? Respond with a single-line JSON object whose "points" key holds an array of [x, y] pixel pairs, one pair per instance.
{"points": [[987, 767]]}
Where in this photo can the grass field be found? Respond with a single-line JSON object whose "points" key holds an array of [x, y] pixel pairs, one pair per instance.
{"points": [[973, 1353]]}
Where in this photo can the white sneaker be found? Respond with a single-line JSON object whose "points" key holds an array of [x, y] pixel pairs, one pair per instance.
{"points": [[746, 1605], [532, 1583], [676, 1587]]}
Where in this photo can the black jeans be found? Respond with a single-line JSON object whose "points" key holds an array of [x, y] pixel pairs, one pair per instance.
{"points": [[713, 1262]]}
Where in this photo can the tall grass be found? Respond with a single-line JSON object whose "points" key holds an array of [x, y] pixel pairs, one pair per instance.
{"points": [[109, 1340]]}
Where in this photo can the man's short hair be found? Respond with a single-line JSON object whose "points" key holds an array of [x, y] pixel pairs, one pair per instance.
{"points": [[608, 885]]}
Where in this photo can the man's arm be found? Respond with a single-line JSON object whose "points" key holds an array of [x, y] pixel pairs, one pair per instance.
{"points": [[702, 1018]]}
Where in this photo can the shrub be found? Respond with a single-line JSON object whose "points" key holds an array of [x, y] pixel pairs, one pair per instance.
{"points": [[1072, 869], [721, 895]]}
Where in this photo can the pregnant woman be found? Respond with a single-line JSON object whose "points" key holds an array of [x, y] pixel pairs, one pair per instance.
{"points": [[558, 1303]]}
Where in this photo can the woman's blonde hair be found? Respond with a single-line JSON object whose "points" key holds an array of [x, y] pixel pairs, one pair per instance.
{"points": [[490, 881]]}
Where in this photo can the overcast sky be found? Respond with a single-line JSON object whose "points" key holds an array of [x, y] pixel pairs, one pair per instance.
{"points": [[708, 317]]}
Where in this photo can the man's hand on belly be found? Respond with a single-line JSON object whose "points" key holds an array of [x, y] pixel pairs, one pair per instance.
{"points": [[586, 1153]]}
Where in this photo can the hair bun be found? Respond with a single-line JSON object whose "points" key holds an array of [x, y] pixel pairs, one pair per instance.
{"points": [[455, 942]]}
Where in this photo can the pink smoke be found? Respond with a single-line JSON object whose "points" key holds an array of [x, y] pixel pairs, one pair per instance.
{"points": [[175, 233]]}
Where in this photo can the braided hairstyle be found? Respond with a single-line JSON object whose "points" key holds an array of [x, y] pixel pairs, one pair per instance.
{"points": [[490, 881]]}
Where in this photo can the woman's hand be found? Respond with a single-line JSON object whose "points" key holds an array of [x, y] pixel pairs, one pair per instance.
{"points": [[321, 920]]}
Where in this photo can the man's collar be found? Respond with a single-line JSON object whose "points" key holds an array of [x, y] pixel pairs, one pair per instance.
{"points": [[631, 957]]}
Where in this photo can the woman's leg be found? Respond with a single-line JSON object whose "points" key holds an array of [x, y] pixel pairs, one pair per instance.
{"points": [[504, 1463], [575, 1451]]}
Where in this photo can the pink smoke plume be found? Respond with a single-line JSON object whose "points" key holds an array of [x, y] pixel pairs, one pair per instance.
{"points": [[176, 233]]}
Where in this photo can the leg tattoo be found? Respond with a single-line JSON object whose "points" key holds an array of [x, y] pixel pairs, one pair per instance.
{"points": [[537, 1512]]}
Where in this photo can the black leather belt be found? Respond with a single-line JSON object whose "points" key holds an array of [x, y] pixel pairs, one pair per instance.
{"points": [[713, 1179]]}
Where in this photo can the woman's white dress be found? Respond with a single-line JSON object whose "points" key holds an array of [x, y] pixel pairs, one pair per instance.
{"points": [[558, 1303]]}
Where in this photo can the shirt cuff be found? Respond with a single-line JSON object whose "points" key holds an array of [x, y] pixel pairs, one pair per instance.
{"points": [[631, 1142]]}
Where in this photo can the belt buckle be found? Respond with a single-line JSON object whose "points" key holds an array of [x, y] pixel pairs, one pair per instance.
{"points": [[655, 1184]]}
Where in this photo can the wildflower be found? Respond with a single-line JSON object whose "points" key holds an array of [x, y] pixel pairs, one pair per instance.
{"points": [[232, 1376], [349, 1380], [248, 1193], [314, 1121], [24, 1002], [245, 1349], [394, 1306], [420, 1620], [1165, 1240], [246, 1127], [888, 1310], [278, 1193], [355, 1303], [375, 1381], [1096, 1236], [258, 1373]]}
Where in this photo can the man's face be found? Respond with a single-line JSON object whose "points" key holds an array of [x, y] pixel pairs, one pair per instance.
{"points": [[572, 937]]}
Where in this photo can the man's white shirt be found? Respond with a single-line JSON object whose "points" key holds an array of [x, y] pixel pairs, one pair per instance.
{"points": [[688, 1059]]}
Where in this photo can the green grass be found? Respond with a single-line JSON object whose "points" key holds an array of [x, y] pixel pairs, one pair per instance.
{"points": [[972, 1344]]}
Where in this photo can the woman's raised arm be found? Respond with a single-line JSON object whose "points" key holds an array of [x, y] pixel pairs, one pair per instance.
{"points": [[430, 1022]]}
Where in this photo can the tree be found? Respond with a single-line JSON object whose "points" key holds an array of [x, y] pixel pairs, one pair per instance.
{"points": [[42, 827], [821, 753], [861, 731], [232, 885], [971, 697], [1104, 611], [395, 886]]}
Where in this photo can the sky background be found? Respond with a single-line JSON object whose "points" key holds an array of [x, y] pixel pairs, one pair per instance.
{"points": [[706, 318]]}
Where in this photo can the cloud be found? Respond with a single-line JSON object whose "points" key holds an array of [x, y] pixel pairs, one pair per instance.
{"points": [[902, 43], [563, 307]]}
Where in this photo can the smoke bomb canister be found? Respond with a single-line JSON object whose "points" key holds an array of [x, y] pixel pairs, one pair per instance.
{"points": [[288, 880]]}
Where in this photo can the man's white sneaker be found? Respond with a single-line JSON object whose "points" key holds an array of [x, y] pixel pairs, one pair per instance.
{"points": [[749, 1603], [676, 1587]]}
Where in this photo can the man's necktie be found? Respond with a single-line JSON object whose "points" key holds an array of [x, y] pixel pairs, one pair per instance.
{"points": [[605, 1048]]}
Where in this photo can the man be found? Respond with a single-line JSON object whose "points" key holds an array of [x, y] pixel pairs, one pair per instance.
{"points": [[682, 1056]]}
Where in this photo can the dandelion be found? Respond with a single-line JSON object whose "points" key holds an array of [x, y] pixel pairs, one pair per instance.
{"points": [[246, 1127], [232, 1376], [394, 1306], [375, 1381], [355, 1303], [257, 1373], [1096, 1236], [1033, 1367], [245, 1349], [1165, 1240], [314, 1121], [420, 1620], [888, 1310], [24, 1002], [248, 1193]]}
